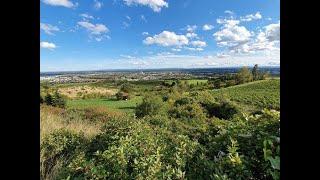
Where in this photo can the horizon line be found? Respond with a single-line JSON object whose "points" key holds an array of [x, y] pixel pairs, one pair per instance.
{"points": [[123, 69]]}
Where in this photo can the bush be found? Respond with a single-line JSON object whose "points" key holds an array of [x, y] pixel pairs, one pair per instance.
{"points": [[48, 99], [151, 105], [57, 150], [223, 109], [133, 151], [55, 100], [126, 87], [187, 109]]}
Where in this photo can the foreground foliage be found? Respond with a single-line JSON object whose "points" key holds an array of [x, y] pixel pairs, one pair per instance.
{"points": [[173, 134]]}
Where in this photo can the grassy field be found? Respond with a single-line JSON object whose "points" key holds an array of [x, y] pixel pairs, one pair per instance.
{"points": [[265, 93], [112, 104]]}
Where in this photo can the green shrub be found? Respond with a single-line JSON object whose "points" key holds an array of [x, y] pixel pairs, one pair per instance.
{"points": [[127, 150], [58, 100], [57, 150], [151, 105], [224, 109], [48, 99]]}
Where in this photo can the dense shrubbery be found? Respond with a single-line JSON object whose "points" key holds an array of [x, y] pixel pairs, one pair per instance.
{"points": [[54, 100], [174, 135], [156, 147], [57, 151]]}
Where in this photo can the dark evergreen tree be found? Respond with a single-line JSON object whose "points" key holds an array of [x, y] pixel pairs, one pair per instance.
{"points": [[48, 99], [58, 100]]}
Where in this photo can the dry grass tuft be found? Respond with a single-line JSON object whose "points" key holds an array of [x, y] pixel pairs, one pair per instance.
{"points": [[52, 118]]}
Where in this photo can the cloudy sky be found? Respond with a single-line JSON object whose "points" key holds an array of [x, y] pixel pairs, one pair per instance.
{"points": [[131, 34]]}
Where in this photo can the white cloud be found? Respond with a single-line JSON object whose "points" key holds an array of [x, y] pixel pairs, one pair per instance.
{"points": [[97, 5], [199, 43], [207, 27], [192, 35], [176, 49], [97, 31], [64, 3], [167, 38], [239, 40], [222, 55], [47, 45], [194, 49], [86, 16], [128, 17], [143, 18], [232, 35], [94, 28], [230, 22], [267, 40], [190, 28], [127, 56], [273, 32], [251, 17], [145, 33], [228, 12], [125, 25], [155, 5], [48, 28]]}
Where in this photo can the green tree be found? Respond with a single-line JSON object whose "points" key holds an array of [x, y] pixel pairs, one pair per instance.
{"points": [[48, 99], [243, 76], [217, 83], [58, 100], [255, 72], [230, 83], [126, 87]]}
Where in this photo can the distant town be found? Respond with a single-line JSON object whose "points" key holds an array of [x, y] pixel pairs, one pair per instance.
{"points": [[138, 75]]}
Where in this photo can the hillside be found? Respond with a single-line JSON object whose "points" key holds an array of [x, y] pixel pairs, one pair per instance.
{"points": [[264, 94]]}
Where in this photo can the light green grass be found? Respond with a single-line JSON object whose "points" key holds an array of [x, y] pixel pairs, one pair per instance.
{"points": [[262, 94], [113, 104]]}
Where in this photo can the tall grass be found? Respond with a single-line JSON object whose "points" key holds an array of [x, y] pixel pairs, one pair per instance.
{"points": [[52, 118]]}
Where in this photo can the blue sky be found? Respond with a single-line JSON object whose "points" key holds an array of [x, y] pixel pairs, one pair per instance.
{"points": [[122, 34]]}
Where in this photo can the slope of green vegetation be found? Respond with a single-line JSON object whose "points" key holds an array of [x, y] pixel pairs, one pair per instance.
{"points": [[166, 132], [265, 93]]}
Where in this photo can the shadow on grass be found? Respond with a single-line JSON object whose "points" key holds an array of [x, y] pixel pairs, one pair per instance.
{"points": [[110, 100], [126, 107]]}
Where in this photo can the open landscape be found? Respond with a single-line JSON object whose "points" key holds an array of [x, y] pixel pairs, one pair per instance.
{"points": [[159, 89], [177, 129]]}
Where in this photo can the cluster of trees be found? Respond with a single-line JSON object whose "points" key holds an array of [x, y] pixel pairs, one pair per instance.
{"points": [[53, 100], [243, 76]]}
